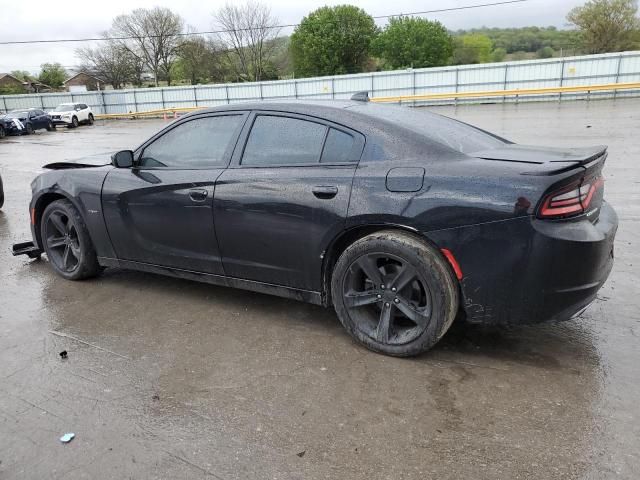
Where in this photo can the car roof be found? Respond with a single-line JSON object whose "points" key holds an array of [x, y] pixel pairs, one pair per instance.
{"points": [[351, 113]]}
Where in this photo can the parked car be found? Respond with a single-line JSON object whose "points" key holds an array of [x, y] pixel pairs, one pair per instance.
{"points": [[32, 119], [400, 219], [72, 114], [7, 126]]}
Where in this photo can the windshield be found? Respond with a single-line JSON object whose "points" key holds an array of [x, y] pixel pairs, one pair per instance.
{"points": [[64, 107], [17, 114], [454, 134]]}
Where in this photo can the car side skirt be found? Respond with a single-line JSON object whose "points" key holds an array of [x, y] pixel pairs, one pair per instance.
{"points": [[307, 296]]}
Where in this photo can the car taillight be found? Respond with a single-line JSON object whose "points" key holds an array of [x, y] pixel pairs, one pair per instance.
{"points": [[572, 200]]}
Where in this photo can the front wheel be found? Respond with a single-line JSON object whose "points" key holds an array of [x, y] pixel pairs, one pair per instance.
{"points": [[50, 127], [394, 293], [3, 133], [29, 129], [67, 242]]}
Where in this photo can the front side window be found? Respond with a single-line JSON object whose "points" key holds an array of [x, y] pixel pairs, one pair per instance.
{"points": [[278, 140], [198, 143]]}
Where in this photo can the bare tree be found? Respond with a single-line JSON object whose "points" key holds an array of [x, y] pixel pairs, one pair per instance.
{"points": [[110, 61], [248, 33], [153, 36]]}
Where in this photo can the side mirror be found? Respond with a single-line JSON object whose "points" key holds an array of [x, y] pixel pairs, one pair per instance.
{"points": [[122, 159]]}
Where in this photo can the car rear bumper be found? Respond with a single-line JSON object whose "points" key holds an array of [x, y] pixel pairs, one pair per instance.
{"points": [[529, 270]]}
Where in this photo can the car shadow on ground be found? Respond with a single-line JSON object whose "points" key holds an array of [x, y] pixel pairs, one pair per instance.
{"points": [[548, 345]]}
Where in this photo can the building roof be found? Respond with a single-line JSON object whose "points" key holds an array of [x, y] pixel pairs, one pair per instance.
{"points": [[2, 75], [82, 73]]}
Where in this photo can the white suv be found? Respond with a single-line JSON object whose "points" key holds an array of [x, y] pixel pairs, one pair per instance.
{"points": [[71, 114]]}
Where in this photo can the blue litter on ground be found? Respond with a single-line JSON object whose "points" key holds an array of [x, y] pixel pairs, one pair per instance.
{"points": [[67, 437]]}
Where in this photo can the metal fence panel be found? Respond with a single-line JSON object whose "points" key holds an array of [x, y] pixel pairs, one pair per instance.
{"points": [[555, 72]]}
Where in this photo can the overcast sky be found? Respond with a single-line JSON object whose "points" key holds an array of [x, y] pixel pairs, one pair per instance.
{"points": [[45, 19]]}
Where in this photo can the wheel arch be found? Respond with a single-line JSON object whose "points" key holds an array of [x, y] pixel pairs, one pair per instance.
{"points": [[347, 237], [41, 203]]}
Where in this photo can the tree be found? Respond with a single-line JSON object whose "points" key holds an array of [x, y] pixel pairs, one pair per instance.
{"points": [[248, 33], [545, 52], [21, 75], [199, 60], [332, 41], [152, 36], [413, 42], [606, 25], [111, 62], [472, 48], [498, 55], [52, 74]]}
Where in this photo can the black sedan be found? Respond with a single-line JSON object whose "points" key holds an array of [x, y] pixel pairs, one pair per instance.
{"points": [[32, 119], [400, 219]]}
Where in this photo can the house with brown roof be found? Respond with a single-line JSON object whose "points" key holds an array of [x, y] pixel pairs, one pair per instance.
{"points": [[10, 83], [83, 82]]}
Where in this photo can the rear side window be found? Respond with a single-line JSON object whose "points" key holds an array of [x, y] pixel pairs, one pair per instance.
{"points": [[337, 147], [199, 143], [278, 140]]}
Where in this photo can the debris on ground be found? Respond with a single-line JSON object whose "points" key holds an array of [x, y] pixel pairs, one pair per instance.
{"points": [[67, 437], [63, 354], [301, 454]]}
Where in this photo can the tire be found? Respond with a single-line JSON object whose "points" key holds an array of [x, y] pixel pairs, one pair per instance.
{"points": [[415, 308], [67, 243], [90, 120], [1, 193], [2, 132], [74, 122], [50, 127], [28, 129]]}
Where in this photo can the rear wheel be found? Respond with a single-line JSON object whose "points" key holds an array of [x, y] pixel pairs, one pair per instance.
{"points": [[394, 293], [67, 242], [1, 193], [90, 120]]}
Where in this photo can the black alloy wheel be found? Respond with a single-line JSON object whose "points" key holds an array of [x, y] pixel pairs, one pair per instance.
{"points": [[29, 128], [394, 293], [387, 298], [67, 243], [74, 122], [63, 244]]}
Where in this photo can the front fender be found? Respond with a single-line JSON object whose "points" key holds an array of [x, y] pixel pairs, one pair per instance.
{"points": [[83, 188]]}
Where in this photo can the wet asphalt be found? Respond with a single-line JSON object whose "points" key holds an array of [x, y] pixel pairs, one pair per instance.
{"points": [[168, 378]]}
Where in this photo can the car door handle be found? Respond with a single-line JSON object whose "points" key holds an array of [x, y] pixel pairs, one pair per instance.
{"points": [[325, 191], [199, 195]]}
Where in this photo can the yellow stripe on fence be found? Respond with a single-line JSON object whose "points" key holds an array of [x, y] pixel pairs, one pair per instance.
{"points": [[512, 93]]}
